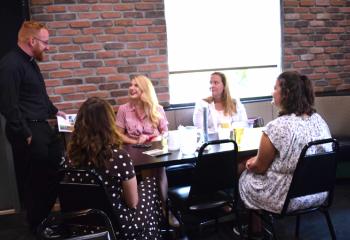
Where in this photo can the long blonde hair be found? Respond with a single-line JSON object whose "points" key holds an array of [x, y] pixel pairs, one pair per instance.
{"points": [[230, 105], [28, 29], [149, 99]]}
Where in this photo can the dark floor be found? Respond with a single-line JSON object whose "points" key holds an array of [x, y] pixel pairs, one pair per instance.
{"points": [[313, 226]]}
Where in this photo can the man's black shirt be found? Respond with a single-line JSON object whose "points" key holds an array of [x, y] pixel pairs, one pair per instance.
{"points": [[23, 93]]}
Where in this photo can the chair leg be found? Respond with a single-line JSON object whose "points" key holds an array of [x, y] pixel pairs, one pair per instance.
{"points": [[329, 223], [297, 225]]}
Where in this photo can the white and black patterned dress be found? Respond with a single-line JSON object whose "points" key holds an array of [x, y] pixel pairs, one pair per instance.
{"points": [[289, 134], [142, 222]]}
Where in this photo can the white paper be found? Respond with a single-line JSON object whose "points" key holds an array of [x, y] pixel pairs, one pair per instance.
{"points": [[156, 152], [66, 125]]}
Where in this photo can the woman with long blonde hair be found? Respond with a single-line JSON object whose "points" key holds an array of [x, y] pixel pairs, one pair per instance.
{"points": [[142, 118], [221, 107]]}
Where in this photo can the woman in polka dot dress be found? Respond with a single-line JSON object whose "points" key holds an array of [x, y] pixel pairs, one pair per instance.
{"points": [[95, 144]]}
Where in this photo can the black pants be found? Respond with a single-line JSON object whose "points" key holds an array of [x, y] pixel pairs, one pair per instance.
{"points": [[36, 168]]}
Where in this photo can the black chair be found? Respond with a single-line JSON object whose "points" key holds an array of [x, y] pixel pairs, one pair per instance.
{"points": [[81, 225], [313, 174], [214, 184], [75, 197]]}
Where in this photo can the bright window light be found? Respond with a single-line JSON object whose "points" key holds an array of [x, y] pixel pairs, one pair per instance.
{"points": [[241, 38]]}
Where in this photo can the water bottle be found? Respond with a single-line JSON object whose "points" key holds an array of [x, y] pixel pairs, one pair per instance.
{"points": [[205, 124]]}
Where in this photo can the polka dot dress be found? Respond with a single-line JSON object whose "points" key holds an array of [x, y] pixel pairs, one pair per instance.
{"points": [[142, 222]]}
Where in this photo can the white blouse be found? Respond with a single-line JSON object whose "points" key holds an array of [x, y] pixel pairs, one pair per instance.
{"points": [[216, 117]]}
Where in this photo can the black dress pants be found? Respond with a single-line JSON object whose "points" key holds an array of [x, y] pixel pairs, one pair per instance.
{"points": [[36, 168]]}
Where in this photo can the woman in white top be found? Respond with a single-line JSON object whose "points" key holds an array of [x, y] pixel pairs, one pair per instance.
{"points": [[221, 108]]}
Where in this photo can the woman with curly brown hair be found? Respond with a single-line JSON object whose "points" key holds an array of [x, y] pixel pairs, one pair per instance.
{"points": [[95, 144]]}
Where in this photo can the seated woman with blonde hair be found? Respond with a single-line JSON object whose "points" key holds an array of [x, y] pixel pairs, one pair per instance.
{"points": [[141, 120], [95, 144]]}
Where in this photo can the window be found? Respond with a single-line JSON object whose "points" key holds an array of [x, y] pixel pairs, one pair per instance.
{"points": [[241, 38]]}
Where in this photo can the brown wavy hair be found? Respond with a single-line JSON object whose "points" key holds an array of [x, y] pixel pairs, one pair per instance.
{"points": [[297, 94], [94, 135], [230, 105]]}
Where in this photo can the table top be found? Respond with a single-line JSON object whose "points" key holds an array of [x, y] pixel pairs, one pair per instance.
{"points": [[144, 161]]}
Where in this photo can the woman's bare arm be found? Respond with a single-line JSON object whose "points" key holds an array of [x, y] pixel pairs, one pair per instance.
{"points": [[266, 154], [130, 193]]}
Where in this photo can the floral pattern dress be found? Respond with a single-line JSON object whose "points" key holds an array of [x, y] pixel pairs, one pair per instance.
{"points": [[142, 222], [289, 134]]}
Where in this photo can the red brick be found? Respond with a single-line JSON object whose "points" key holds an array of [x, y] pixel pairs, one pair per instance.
{"points": [[64, 90], [136, 29], [106, 70], [127, 53], [56, 8], [144, 6], [93, 31], [83, 72], [143, 22], [157, 59], [86, 88], [136, 45], [69, 48], [60, 40], [148, 68], [156, 75], [115, 62], [88, 15], [71, 64], [73, 97], [330, 62], [92, 47], [118, 77], [62, 56], [107, 15], [147, 37], [100, 94], [64, 105], [78, 8], [80, 24], [83, 39], [49, 66], [53, 82], [68, 32], [106, 54], [123, 7], [102, 7], [61, 74]]}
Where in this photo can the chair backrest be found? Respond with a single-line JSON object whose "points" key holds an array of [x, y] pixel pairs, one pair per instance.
{"points": [[314, 173], [75, 196], [215, 171], [76, 226]]}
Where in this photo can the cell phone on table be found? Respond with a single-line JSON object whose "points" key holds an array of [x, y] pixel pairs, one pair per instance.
{"points": [[143, 145]]}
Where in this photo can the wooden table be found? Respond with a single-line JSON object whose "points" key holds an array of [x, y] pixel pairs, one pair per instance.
{"points": [[144, 161]]}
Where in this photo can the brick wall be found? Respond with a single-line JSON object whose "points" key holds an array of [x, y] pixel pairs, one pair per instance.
{"points": [[317, 41], [97, 45]]}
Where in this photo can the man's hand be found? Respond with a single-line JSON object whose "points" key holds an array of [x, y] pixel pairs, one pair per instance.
{"points": [[29, 140], [61, 114]]}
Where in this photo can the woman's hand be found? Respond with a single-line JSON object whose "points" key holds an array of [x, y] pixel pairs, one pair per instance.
{"points": [[142, 139], [250, 163]]}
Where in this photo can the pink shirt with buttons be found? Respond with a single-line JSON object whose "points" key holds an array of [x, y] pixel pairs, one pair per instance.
{"points": [[134, 125]]}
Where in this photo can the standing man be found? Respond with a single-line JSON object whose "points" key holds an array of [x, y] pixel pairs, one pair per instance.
{"points": [[37, 149]]}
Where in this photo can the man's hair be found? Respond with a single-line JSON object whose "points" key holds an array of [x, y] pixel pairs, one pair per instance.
{"points": [[29, 28]]}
